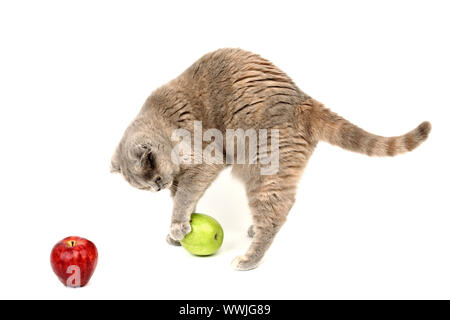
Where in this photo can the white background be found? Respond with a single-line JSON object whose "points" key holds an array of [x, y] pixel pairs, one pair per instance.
{"points": [[74, 74]]}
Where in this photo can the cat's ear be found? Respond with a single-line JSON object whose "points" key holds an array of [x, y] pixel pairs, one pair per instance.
{"points": [[141, 152], [115, 163]]}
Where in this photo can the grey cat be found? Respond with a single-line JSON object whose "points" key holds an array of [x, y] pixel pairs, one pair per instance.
{"points": [[232, 88]]}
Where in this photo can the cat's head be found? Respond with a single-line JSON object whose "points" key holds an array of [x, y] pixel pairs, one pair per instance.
{"points": [[143, 158]]}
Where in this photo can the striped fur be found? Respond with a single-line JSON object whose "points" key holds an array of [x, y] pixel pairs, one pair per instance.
{"points": [[231, 89], [338, 131]]}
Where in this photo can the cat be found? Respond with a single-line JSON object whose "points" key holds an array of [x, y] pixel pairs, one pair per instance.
{"points": [[233, 88]]}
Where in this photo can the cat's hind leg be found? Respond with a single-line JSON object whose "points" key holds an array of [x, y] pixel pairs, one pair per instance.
{"points": [[269, 211], [270, 198]]}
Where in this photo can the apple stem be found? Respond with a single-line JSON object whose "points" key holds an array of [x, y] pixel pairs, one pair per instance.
{"points": [[72, 243]]}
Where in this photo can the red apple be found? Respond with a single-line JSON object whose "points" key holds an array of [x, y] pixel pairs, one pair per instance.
{"points": [[74, 260]]}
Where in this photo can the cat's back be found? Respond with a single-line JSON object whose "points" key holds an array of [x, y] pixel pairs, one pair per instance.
{"points": [[240, 88]]}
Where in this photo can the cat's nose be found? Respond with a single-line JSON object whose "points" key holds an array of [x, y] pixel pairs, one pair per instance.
{"points": [[158, 181]]}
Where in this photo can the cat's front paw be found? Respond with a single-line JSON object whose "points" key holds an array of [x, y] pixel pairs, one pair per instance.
{"points": [[172, 242], [179, 229], [243, 263]]}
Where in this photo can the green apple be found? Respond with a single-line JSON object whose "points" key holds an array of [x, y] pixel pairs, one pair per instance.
{"points": [[206, 235]]}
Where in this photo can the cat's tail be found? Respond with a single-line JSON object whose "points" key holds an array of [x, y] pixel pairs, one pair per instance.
{"points": [[330, 127]]}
